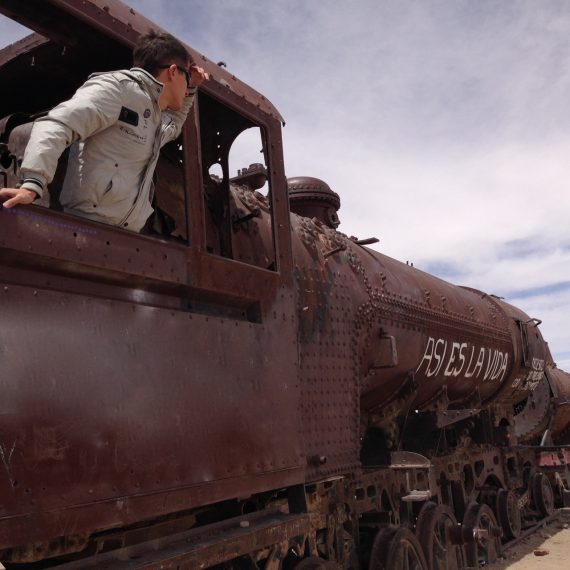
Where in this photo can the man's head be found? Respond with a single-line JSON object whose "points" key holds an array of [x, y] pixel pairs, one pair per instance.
{"points": [[154, 50], [163, 56]]}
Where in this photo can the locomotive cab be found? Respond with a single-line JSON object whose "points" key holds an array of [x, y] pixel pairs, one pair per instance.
{"points": [[202, 198]]}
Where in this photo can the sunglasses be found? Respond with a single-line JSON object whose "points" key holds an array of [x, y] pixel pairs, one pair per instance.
{"points": [[182, 69], [186, 74]]}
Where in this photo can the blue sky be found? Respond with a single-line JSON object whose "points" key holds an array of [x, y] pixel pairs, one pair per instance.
{"points": [[444, 125]]}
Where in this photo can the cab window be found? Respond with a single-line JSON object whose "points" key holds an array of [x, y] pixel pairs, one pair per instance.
{"points": [[237, 188]]}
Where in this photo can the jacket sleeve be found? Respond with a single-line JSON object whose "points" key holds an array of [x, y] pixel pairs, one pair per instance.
{"points": [[94, 107], [173, 121]]}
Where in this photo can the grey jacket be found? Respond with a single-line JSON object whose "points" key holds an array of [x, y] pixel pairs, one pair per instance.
{"points": [[116, 129]]}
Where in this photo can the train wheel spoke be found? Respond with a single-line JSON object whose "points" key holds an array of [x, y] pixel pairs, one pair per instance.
{"points": [[435, 528], [509, 514], [542, 494], [483, 531], [397, 549]]}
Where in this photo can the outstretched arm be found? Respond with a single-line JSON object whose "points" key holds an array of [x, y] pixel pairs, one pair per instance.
{"points": [[95, 106]]}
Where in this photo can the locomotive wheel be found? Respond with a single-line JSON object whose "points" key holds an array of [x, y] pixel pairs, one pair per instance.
{"points": [[542, 494], [481, 530], [509, 514], [436, 524], [396, 549], [316, 563]]}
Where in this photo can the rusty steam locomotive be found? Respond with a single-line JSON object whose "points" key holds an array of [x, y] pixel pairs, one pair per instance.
{"points": [[242, 386]]}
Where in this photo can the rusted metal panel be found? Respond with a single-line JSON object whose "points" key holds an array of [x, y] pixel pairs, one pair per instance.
{"points": [[23, 46], [83, 247], [559, 381], [535, 413], [553, 456], [137, 411], [328, 375]]}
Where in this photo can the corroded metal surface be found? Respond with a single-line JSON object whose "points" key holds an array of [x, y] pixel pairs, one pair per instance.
{"points": [[312, 198], [560, 385], [196, 549]]}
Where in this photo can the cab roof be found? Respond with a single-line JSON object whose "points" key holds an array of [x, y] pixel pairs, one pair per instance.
{"points": [[108, 27]]}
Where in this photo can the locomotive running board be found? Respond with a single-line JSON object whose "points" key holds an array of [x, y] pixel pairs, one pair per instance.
{"points": [[202, 547]]}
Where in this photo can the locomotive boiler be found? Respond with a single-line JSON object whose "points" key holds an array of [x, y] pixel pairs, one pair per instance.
{"points": [[241, 385]]}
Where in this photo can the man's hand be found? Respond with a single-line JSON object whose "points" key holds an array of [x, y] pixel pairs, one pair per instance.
{"points": [[14, 196], [198, 75]]}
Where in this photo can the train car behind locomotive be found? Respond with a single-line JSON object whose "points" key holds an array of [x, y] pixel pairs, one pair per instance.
{"points": [[241, 385]]}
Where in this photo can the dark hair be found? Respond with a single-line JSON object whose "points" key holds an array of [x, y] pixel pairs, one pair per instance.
{"points": [[154, 50]]}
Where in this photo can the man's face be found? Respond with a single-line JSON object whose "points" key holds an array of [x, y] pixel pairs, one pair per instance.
{"points": [[176, 79], [180, 86]]}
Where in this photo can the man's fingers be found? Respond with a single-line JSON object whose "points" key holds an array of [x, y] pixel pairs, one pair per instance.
{"points": [[198, 75], [7, 193], [11, 202], [17, 196]]}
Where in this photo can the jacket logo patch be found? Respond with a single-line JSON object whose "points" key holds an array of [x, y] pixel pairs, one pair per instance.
{"points": [[129, 116]]}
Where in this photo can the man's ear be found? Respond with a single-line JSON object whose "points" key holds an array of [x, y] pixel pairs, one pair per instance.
{"points": [[172, 71]]}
